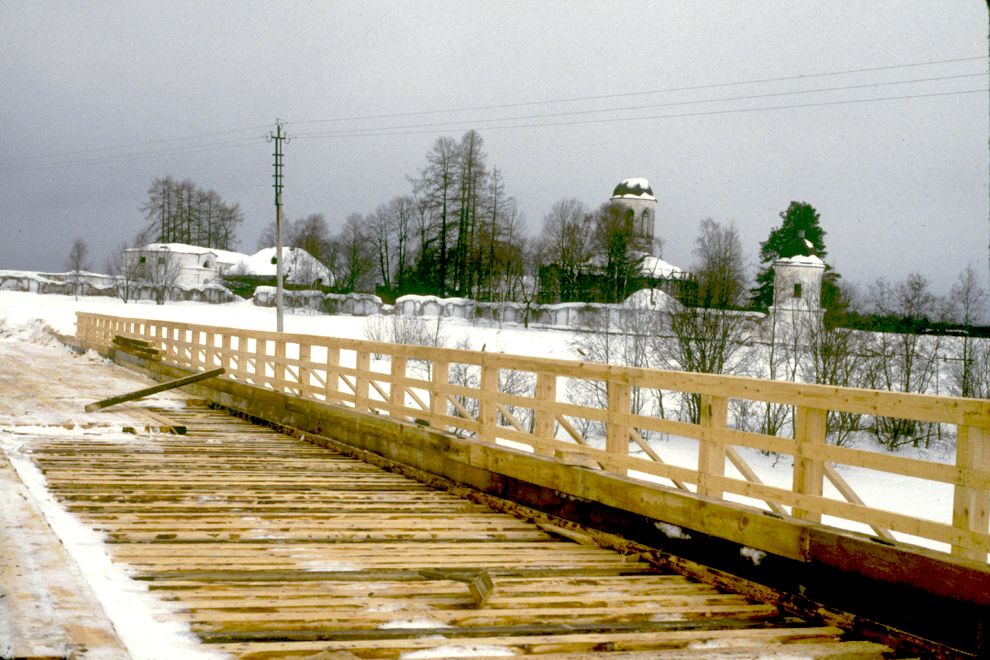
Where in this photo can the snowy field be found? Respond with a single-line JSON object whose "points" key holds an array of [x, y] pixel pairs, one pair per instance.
{"points": [[22, 316]]}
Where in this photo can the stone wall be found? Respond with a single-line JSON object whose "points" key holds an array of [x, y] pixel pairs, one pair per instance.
{"points": [[355, 304], [103, 286]]}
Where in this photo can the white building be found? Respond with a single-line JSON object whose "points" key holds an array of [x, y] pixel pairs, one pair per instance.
{"points": [[797, 289], [298, 266], [191, 266], [195, 266]]}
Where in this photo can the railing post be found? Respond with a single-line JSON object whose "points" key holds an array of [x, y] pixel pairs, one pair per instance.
{"points": [[487, 394], [279, 377], [210, 353], [971, 506], [226, 356], [714, 415], [260, 362], [303, 369], [362, 363], [332, 387], [544, 424], [809, 473], [397, 391], [617, 432], [439, 378]]}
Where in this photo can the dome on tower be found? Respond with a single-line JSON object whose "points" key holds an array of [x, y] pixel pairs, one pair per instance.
{"points": [[633, 189]]}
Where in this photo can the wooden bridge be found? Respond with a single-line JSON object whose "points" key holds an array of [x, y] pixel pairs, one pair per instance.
{"points": [[540, 540]]}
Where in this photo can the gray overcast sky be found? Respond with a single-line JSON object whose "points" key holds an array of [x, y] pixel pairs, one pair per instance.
{"points": [[99, 98]]}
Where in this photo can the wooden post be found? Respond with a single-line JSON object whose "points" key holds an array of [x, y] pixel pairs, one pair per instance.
{"points": [[174, 347], [809, 473], [227, 356], [333, 375], [971, 506], [616, 431], [397, 391], [305, 362], [362, 362], [711, 452], [544, 425], [440, 377], [261, 362], [210, 350], [281, 380], [487, 394]]}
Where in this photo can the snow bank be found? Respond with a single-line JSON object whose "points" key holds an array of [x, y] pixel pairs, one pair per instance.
{"points": [[651, 299]]}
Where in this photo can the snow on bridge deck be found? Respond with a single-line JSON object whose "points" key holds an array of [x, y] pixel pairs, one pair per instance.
{"points": [[237, 539]]}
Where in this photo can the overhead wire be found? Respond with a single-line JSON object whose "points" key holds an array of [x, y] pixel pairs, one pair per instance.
{"points": [[151, 149], [663, 90], [108, 159], [149, 143], [747, 97], [344, 134]]}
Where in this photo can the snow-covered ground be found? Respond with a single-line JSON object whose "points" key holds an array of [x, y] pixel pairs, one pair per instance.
{"points": [[23, 314]]}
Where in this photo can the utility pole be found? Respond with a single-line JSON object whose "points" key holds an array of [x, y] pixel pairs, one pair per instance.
{"points": [[278, 137]]}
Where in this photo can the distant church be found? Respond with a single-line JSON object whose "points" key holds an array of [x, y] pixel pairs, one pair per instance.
{"points": [[637, 197]]}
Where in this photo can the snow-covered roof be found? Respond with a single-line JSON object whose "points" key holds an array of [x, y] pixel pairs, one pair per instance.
{"points": [[801, 260], [636, 188], [222, 256], [657, 267], [296, 261]]}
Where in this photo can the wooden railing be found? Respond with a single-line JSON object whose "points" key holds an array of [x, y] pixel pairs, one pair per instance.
{"points": [[469, 393]]}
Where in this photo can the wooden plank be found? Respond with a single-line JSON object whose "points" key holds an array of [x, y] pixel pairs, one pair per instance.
{"points": [[148, 391]]}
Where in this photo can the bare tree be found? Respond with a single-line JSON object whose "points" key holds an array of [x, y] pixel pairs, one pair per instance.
{"points": [[708, 335], [181, 212], [905, 360], [970, 363], [125, 269], [160, 269], [355, 256], [566, 243], [835, 356], [77, 263]]}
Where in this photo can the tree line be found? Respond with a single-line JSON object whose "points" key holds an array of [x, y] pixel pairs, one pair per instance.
{"points": [[182, 212]]}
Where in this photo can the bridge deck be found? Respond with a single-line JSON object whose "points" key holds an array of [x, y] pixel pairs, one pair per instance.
{"points": [[272, 546]]}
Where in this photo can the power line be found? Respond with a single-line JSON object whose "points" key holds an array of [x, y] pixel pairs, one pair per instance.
{"points": [[756, 81], [131, 157], [452, 125], [746, 97], [37, 162], [149, 143]]}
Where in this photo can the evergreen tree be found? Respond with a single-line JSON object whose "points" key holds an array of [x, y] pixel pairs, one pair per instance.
{"points": [[800, 234]]}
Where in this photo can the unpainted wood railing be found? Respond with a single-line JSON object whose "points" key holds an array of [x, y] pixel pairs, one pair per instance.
{"points": [[463, 391]]}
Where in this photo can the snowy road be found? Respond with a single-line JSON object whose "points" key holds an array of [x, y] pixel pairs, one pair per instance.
{"points": [[60, 596]]}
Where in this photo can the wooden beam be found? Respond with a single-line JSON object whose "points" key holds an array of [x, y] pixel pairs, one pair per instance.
{"points": [[479, 582], [162, 387]]}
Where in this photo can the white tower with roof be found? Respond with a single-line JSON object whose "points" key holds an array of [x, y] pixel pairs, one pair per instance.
{"points": [[636, 195]]}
